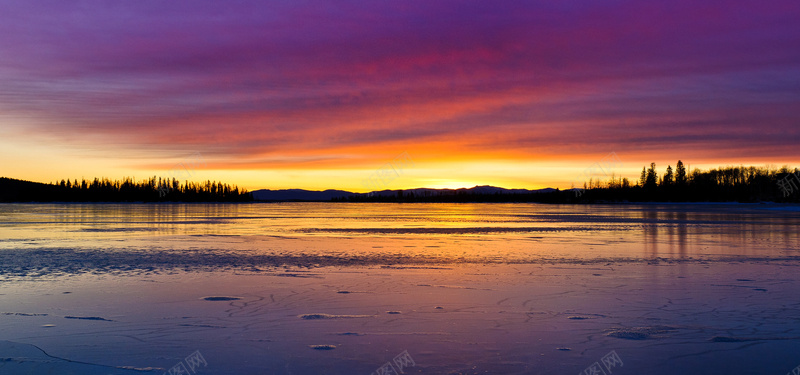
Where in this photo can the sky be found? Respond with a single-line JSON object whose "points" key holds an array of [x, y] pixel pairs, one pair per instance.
{"points": [[324, 94]]}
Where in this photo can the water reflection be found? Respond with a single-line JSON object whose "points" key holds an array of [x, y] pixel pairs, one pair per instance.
{"points": [[386, 288], [374, 233], [651, 228], [681, 218], [675, 226], [683, 232]]}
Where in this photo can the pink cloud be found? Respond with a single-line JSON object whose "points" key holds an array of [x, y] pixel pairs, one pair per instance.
{"points": [[300, 78]]}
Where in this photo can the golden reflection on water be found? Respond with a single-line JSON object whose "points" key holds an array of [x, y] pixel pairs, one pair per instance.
{"points": [[456, 232]]}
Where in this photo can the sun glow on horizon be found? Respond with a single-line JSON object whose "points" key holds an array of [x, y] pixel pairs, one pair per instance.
{"points": [[446, 184]]}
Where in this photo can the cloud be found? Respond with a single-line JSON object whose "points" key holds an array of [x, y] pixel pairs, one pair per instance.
{"points": [[304, 82]]}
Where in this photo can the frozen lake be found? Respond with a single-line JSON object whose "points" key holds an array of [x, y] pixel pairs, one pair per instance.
{"points": [[307, 288]]}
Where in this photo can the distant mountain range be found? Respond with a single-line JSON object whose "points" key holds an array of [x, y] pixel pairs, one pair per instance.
{"points": [[12, 190], [328, 195], [299, 195]]}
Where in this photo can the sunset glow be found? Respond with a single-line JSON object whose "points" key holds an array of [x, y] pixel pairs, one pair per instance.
{"points": [[319, 95]]}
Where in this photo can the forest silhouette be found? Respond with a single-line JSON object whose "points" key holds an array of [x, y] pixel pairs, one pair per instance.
{"points": [[723, 184], [127, 190]]}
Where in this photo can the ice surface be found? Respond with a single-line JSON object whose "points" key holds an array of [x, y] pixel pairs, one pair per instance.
{"points": [[345, 289]]}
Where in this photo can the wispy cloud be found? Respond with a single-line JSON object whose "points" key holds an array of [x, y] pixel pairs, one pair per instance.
{"points": [[305, 84]]}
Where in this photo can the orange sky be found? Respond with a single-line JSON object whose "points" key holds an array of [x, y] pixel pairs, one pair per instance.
{"points": [[311, 96]]}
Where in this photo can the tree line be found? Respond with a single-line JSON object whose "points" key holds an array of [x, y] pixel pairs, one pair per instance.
{"points": [[154, 189], [678, 184], [722, 184]]}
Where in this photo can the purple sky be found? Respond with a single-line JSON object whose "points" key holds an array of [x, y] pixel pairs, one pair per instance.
{"points": [[304, 86]]}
